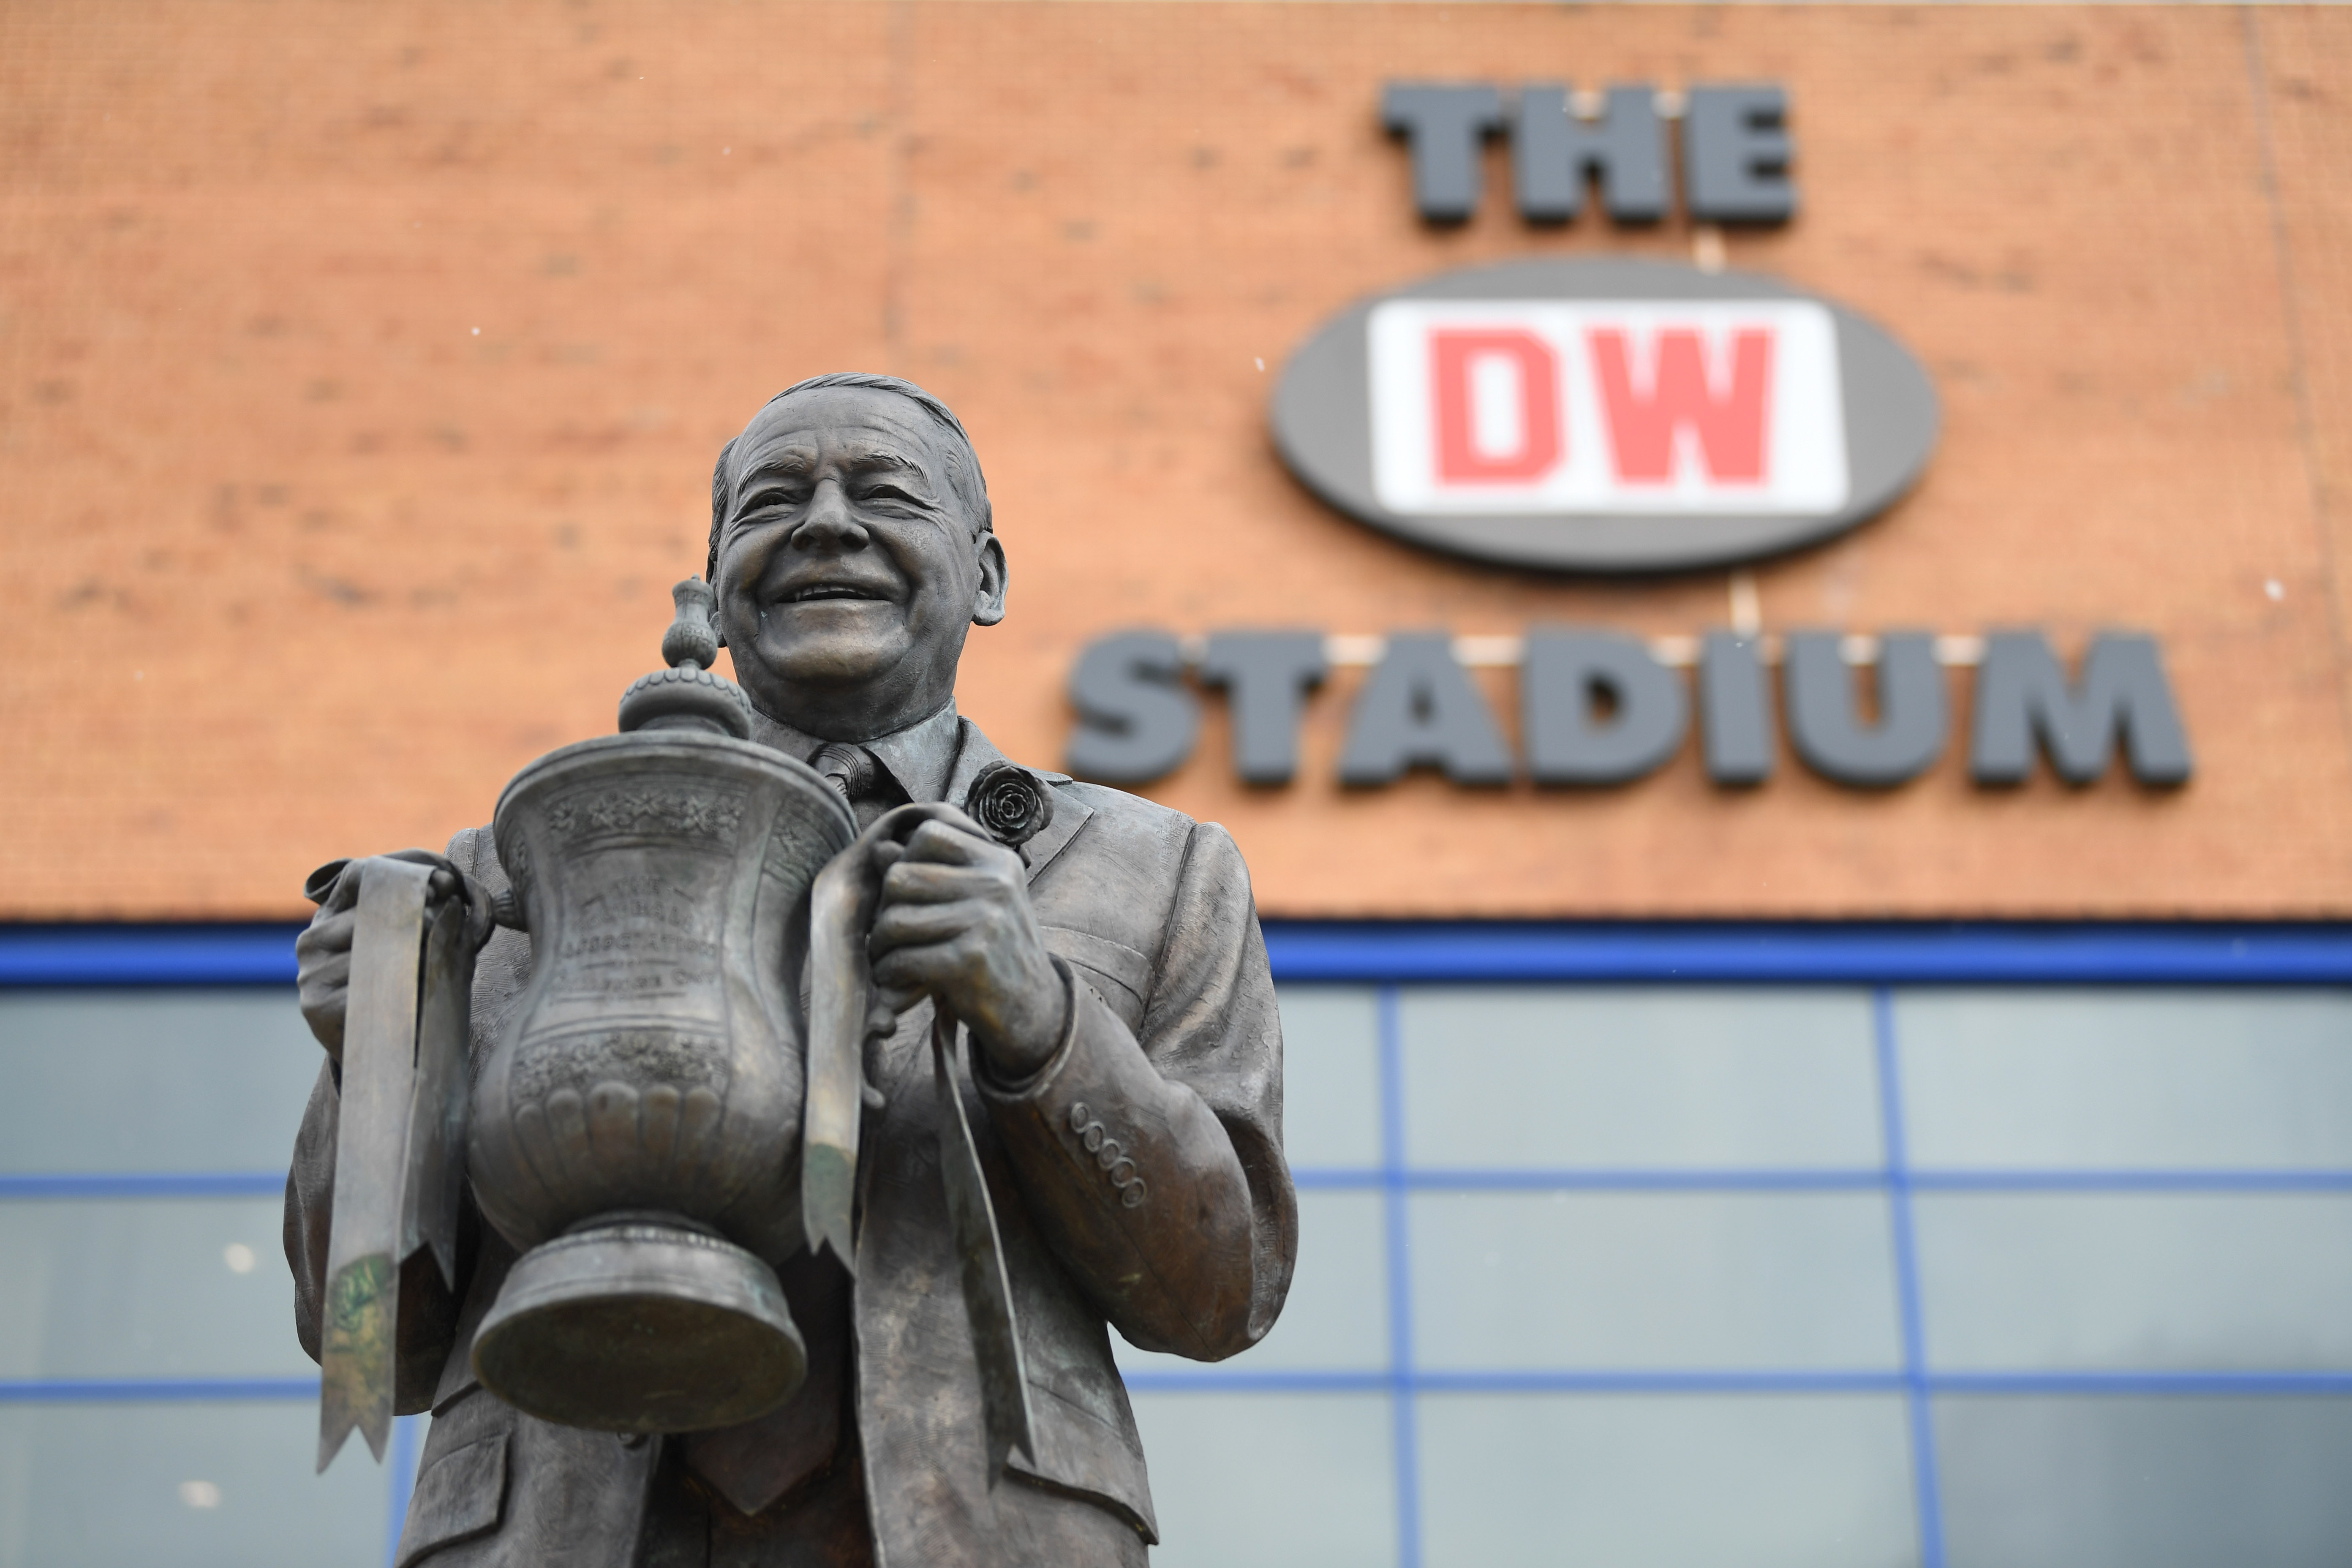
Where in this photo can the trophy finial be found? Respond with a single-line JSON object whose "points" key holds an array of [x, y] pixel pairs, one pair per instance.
{"points": [[686, 696], [691, 638]]}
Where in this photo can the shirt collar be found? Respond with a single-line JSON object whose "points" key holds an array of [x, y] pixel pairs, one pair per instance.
{"points": [[921, 757]]}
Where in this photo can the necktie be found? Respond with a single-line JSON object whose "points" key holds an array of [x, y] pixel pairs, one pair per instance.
{"points": [[863, 782]]}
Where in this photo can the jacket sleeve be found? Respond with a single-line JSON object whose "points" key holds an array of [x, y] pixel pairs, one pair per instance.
{"points": [[1152, 1159], [309, 1201]]}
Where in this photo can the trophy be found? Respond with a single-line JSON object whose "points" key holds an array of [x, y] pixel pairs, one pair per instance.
{"points": [[635, 1129], [661, 1115]]}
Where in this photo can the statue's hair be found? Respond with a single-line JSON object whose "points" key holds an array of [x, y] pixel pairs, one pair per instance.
{"points": [[963, 463]]}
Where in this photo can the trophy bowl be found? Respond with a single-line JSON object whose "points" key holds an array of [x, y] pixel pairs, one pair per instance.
{"points": [[636, 1127]]}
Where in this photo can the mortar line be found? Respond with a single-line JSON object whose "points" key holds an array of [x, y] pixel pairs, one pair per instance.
{"points": [[2298, 368], [898, 219]]}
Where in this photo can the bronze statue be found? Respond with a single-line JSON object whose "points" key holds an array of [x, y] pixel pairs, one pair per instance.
{"points": [[1114, 1091]]}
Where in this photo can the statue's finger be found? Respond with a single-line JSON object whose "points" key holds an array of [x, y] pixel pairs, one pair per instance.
{"points": [[952, 844], [903, 925], [344, 895], [326, 933], [925, 882], [923, 969], [325, 973]]}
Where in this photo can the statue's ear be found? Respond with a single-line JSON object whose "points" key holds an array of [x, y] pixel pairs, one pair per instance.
{"points": [[988, 600]]}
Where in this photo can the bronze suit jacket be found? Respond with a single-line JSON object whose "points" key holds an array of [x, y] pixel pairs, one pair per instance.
{"points": [[1174, 1050]]}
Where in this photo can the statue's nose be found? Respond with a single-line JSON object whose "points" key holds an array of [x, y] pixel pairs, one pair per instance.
{"points": [[829, 522]]}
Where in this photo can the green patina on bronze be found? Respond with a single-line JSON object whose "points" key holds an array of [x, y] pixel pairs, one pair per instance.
{"points": [[355, 1360]]}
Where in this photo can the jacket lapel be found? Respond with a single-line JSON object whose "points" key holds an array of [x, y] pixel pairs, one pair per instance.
{"points": [[975, 755]]}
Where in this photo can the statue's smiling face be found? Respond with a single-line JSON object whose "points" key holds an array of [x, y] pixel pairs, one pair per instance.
{"points": [[848, 570]]}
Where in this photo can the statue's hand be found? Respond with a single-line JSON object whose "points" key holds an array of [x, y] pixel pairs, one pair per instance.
{"points": [[955, 922], [322, 955]]}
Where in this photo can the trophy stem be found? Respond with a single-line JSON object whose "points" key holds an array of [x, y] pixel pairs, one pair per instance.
{"points": [[640, 1321]]}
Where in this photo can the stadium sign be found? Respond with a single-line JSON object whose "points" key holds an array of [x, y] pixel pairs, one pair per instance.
{"points": [[1605, 416]]}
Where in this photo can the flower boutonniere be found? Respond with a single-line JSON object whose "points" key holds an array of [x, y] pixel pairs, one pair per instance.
{"points": [[1011, 802]]}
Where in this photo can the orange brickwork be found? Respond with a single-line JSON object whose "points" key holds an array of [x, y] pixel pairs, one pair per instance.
{"points": [[361, 367]]}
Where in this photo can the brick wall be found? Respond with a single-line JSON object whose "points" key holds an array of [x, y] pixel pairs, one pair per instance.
{"points": [[361, 370]]}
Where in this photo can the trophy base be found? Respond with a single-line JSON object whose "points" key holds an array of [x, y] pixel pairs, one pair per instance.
{"points": [[640, 1323]]}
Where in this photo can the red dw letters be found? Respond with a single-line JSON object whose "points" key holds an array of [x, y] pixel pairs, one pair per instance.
{"points": [[1606, 406]]}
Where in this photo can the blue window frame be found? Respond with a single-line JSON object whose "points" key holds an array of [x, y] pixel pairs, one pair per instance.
{"points": [[1443, 1393]]}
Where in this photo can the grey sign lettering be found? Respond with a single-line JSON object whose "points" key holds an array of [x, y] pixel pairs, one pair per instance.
{"points": [[1735, 149], [1601, 707]]}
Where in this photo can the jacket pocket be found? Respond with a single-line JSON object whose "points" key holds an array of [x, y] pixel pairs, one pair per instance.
{"points": [[1079, 1451], [1120, 975], [459, 1496]]}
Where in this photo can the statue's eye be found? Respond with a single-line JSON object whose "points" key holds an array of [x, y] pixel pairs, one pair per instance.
{"points": [[891, 494], [768, 498]]}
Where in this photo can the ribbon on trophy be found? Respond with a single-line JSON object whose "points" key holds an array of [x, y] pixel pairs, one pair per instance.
{"points": [[1012, 805], [401, 1137], [979, 1254]]}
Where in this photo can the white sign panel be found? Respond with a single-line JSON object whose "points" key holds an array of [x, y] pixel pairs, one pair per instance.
{"points": [[1605, 406]]}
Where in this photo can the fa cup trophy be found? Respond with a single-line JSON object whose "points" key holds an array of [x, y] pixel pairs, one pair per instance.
{"points": [[637, 1128]]}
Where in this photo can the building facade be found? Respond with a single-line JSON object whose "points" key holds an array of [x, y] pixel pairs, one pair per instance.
{"points": [[1858, 1070]]}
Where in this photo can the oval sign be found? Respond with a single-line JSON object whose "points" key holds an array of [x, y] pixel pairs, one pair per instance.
{"points": [[1605, 416]]}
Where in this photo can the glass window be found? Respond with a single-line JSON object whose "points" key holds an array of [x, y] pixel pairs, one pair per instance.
{"points": [[2137, 1280], [1243, 1479], [2128, 1080], [1652, 1280], [1557, 1076], [1330, 1077], [1648, 1245], [190, 1485], [155, 1288], [2141, 1482], [164, 1293], [168, 1080], [1530, 1480]]}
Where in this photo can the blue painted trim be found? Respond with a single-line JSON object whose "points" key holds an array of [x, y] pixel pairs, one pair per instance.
{"points": [[2134, 1385], [1405, 1416], [143, 1184], [204, 1390], [1426, 1382], [1549, 1181], [253, 954], [153, 1390], [1689, 953], [1926, 1480], [2132, 1181], [33, 1186], [1819, 953], [1334, 1179], [2143, 1384]]}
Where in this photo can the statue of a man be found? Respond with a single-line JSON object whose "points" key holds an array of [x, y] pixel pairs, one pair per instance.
{"points": [[1114, 981]]}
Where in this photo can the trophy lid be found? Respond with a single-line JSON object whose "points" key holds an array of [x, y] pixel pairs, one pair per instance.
{"points": [[686, 696]]}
